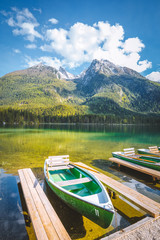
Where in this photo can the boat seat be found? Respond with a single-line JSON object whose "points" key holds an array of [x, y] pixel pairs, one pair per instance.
{"points": [[129, 151], [73, 188], [153, 149], [58, 160], [74, 181], [59, 168]]}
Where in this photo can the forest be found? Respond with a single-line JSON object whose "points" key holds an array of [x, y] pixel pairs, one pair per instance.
{"points": [[28, 117]]}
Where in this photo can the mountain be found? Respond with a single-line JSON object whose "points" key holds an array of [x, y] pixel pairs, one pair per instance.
{"points": [[104, 82], [65, 75], [107, 68], [37, 86], [103, 88], [43, 71]]}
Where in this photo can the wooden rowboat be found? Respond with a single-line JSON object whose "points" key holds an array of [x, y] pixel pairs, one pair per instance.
{"points": [[143, 160], [80, 189], [151, 151]]}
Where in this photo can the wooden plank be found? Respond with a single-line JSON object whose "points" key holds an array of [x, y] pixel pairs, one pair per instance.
{"points": [[145, 203], [61, 231], [154, 149], [52, 162], [76, 165], [59, 168], [126, 231], [36, 221], [49, 228], [128, 152], [59, 156], [128, 149], [74, 181], [58, 160], [136, 167]]}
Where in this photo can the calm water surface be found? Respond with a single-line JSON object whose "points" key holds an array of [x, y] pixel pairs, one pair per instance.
{"points": [[29, 147]]}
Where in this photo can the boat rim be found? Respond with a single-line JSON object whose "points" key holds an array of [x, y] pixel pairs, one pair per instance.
{"points": [[109, 203]]}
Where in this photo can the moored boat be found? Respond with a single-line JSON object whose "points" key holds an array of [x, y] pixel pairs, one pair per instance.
{"points": [[151, 151], [80, 189], [143, 160]]}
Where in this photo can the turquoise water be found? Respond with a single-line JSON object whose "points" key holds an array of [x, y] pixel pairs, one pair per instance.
{"points": [[93, 145]]}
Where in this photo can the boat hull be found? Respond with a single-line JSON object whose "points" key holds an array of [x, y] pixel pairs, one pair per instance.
{"points": [[97, 214], [148, 154], [89, 199], [138, 162]]}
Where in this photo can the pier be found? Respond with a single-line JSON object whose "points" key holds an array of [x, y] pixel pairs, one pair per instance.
{"points": [[138, 199], [46, 223], [154, 173]]}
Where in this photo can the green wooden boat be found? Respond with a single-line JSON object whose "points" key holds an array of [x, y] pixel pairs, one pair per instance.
{"points": [[151, 151], [143, 160], [80, 189]]}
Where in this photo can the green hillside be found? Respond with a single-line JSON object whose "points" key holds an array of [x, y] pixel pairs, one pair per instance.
{"points": [[130, 93], [25, 91], [40, 92]]}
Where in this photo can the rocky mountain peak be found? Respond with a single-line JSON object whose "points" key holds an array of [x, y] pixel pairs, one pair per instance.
{"points": [[65, 75], [107, 68], [44, 70]]}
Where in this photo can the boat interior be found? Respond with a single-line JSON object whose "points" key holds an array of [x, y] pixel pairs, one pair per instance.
{"points": [[74, 180]]}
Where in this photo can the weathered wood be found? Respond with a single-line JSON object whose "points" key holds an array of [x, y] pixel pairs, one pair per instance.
{"points": [[59, 156], [61, 231], [143, 202], [52, 162], [74, 181], [35, 218], [154, 149], [123, 233], [58, 168], [58, 160], [75, 164], [136, 167], [49, 226], [129, 151]]}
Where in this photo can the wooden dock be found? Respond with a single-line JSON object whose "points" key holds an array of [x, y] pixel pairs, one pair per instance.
{"points": [[46, 223], [138, 199], [155, 174]]}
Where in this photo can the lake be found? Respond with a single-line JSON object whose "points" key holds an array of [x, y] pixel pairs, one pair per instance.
{"points": [[91, 144]]}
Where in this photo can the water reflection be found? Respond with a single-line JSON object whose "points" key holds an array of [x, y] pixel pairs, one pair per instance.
{"points": [[90, 144], [12, 225], [77, 225], [140, 182]]}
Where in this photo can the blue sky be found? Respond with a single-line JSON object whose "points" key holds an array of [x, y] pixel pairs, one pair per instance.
{"points": [[72, 33]]}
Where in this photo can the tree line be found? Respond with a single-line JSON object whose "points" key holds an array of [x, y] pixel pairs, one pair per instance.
{"points": [[21, 117]]}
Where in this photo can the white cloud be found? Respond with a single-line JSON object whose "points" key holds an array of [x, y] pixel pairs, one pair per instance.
{"points": [[16, 51], [83, 43], [53, 21], [49, 61], [4, 13], [31, 46], [38, 10], [133, 45], [154, 76], [24, 23], [11, 22]]}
